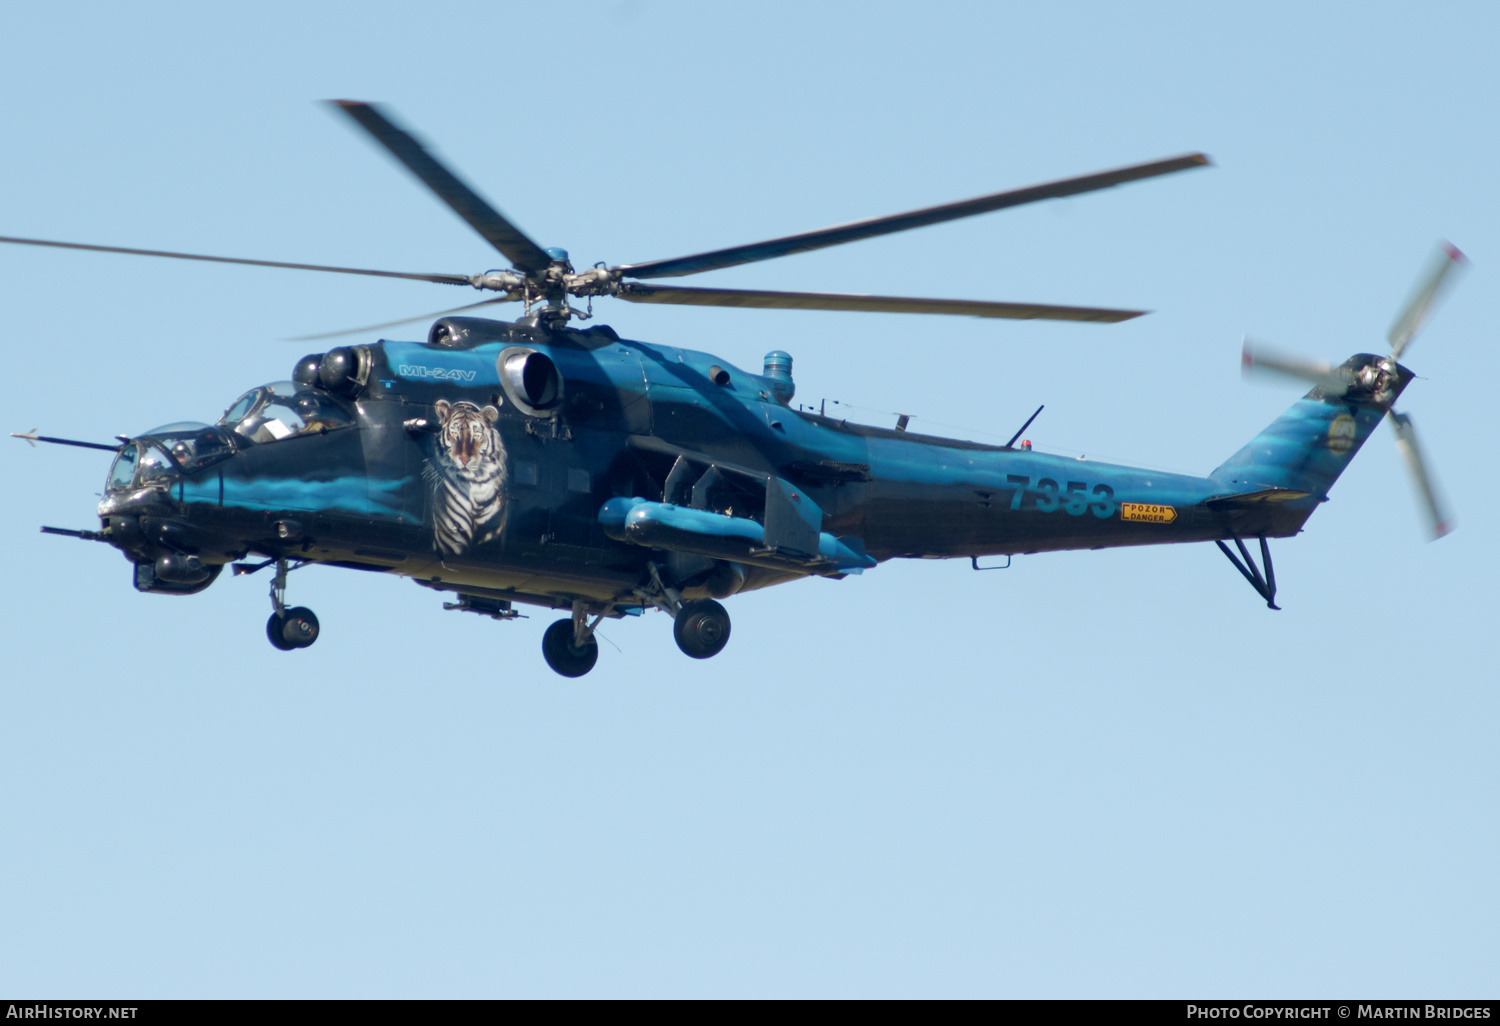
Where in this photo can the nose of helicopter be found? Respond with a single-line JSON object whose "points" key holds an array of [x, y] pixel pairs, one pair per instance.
{"points": [[149, 465], [141, 515]]}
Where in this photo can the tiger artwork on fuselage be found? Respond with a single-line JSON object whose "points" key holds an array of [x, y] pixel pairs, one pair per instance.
{"points": [[467, 476]]}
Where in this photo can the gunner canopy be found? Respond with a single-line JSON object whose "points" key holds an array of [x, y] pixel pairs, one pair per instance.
{"points": [[268, 413]]}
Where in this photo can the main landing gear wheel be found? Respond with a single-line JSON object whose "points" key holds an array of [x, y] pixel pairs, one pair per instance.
{"points": [[292, 628], [563, 653], [296, 628], [701, 628]]}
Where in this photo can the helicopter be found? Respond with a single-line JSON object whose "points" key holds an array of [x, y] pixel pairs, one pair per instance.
{"points": [[531, 462]]}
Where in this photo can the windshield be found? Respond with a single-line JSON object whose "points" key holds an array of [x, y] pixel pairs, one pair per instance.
{"points": [[123, 472], [140, 463], [280, 410]]}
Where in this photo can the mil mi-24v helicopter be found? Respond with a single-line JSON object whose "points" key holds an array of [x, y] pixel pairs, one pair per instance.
{"points": [[531, 462]]}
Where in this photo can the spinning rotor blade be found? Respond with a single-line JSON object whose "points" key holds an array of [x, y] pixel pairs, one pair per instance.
{"points": [[524, 254], [682, 296], [1411, 319], [441, 279], [839, 234], [1258, 357], [396, 324], [1406, 443]]}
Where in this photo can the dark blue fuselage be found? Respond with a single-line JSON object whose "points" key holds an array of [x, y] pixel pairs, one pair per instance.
{"points": [[517, 438]]}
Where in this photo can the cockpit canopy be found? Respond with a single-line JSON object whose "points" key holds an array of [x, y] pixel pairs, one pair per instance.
{"points": [[283, 410], [268, 413], [191, 445], [161, 453]]}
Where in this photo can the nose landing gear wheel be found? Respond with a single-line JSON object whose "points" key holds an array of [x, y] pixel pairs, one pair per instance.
{"points": [[296, 628], [701, 628], [564, 655]]}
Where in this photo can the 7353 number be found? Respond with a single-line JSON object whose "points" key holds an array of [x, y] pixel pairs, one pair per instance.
{"points": [[1047, 496]]}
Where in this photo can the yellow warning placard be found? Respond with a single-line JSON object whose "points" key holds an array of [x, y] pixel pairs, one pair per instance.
{"points": [[1147, 513]]}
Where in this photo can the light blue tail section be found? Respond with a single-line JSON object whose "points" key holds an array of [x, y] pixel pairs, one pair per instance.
{"points": [[1303, 450], [1308, 446]]}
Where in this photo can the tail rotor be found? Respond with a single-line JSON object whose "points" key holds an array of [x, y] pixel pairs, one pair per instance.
{"points": [[1372, 381]]}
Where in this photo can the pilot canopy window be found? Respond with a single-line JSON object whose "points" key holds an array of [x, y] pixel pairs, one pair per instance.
{"points": [[280, 410]]}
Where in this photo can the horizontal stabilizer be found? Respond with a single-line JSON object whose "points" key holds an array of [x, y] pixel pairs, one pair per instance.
{"points": [[1263, 495]]}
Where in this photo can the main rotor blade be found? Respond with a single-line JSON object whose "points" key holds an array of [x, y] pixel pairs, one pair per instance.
{"points": [[441, 279], [1411, 319], [840, 234], [1406, 442], [684, 296], [396, 324], [1256, 356], [521, 251]]}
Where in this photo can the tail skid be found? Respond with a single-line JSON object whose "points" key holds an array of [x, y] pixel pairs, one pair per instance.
{"points": [[1264, 585]]}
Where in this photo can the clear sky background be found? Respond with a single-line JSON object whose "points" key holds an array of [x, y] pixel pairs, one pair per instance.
{"points": [[1093, 774]]}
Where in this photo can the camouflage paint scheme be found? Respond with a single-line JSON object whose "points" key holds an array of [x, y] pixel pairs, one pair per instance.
{"points": [[650, 454]]}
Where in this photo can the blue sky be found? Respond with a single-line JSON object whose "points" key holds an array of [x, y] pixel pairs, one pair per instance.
{"points": [[1094, 774]]}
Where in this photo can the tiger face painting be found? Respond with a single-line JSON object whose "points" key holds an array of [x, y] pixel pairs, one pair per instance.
{"points": [[468, 477]]}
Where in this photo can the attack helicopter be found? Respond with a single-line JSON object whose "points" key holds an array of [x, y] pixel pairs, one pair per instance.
{"points": [[531, 462]]}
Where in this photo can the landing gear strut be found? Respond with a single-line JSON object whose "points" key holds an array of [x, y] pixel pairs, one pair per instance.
{"points": [[700, 626], [289, 628]]}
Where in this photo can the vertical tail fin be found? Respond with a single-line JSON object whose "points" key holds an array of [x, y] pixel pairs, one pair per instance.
{"points": [[1308, 446]]}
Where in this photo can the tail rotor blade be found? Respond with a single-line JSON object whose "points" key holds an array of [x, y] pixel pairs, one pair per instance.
{"points": [[1406, 443], [1415, 314], [1257, 357]]}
